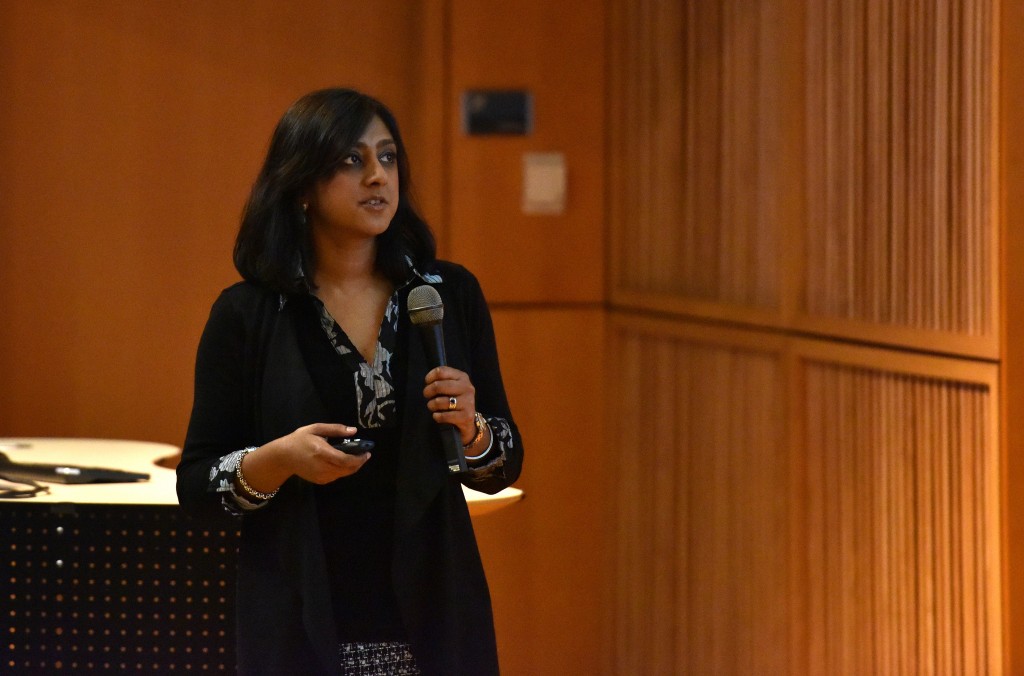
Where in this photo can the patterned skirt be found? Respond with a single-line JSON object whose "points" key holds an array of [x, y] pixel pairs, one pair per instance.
{"points": [[377, 659]]}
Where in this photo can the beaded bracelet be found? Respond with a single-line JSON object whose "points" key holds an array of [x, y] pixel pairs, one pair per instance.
{"points": [[245, 484]]}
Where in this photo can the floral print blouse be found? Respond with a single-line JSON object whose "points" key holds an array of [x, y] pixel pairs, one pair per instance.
{"points": [[374, 386]]}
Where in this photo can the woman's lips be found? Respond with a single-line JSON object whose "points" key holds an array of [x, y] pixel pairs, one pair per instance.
{"points": [[374, 203]]}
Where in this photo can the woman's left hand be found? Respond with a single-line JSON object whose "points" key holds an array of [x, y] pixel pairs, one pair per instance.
{"points": [[446, 385]]}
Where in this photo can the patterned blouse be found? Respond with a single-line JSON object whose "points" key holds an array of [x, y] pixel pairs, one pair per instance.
{"points": [[375, 396]]}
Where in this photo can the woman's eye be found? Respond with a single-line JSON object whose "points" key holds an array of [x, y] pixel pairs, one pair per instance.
{"points": [[390, 157], [352, 159]]}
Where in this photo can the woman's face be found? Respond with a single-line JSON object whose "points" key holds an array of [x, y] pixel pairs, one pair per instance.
{"points": [[361, 198]]}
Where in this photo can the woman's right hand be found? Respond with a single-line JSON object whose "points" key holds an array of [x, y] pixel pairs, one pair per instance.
{"points": [[304, 453]]}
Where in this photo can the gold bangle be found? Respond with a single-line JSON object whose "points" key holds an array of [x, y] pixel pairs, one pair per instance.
{"points": [[480, 424], [245, 484]]}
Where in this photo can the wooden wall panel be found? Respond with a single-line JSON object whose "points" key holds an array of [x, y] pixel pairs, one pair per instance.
{"points": [[875, 219], [902, 521], [901, 178], [808, 508], [1011, 218], [555, 51], [704, 141], [842, 183], [131, 133], [546, 557], [702, 539]]}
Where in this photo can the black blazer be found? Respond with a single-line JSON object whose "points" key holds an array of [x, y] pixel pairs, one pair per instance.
{"points": [[252, 386]]}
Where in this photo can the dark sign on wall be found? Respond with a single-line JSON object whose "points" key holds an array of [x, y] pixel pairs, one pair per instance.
{"points": [[497, 111]]}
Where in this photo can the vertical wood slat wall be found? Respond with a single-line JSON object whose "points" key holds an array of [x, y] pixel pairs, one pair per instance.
{"points": [[805, 506], [900, 173], [702, 543], [901, 522], [801, 507], [842, 184]]}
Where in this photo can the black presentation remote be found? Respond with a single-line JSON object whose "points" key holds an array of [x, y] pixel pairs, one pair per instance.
{"points": [[353, 446]]}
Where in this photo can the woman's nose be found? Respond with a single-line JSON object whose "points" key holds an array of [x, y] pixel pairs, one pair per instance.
{"points": [[375, 174]]}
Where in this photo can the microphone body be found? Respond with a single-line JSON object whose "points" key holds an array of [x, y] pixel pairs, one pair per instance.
{"points": [[433, 343], [426, 312]]}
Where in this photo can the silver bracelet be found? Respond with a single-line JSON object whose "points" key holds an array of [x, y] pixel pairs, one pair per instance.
{"points": [[489, 444], [245, 484]]}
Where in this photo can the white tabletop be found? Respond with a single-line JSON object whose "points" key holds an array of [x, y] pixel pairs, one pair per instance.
{"points": [[141, 456]]}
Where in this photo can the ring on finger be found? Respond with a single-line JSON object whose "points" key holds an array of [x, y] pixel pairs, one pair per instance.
{"points": [[452, 403]]}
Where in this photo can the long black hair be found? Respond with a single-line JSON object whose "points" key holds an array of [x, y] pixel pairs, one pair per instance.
{"points": [[274, 241]]}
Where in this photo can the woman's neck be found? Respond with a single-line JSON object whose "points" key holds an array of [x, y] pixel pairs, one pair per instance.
{"points": [[341, 265]]}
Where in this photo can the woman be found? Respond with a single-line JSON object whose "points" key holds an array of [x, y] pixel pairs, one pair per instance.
{"points": [[349, 562]]}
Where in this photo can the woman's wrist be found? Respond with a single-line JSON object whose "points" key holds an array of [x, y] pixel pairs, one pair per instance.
{"points": [[479, 425], [244, 485], [260, 476], [483, 434]]}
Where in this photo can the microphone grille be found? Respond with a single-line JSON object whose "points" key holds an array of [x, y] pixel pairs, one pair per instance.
{"points": [[425, 306]]}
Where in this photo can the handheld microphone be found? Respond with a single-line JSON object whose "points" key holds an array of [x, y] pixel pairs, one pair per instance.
{"points": [[426, 312]]}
